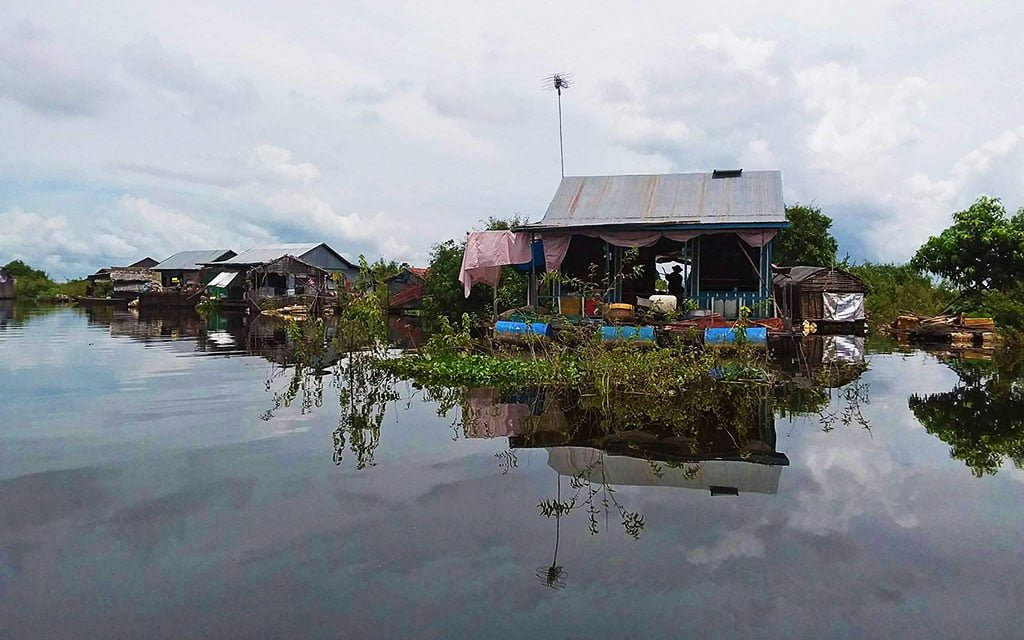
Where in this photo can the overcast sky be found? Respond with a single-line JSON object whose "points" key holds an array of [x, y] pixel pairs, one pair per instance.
{"points": [[383, 128]]}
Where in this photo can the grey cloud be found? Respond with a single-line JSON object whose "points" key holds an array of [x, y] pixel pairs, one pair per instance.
{"points": [[177, 74], [174, 174], [474, 104], [36, 73]]}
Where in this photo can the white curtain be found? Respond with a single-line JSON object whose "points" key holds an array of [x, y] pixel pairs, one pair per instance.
{"points": [[844, 307]]}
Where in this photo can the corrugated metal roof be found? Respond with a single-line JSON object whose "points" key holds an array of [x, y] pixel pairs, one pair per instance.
{"points": [[190, 260], [795, 275], [675, 198], [259, 255], [222, 279]]}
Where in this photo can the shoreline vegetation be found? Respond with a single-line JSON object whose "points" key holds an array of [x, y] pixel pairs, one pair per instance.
{"points": [[975, 267]]}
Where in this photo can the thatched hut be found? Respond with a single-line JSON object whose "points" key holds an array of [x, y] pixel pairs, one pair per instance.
{"points": [[819, 294], [6, 285]]}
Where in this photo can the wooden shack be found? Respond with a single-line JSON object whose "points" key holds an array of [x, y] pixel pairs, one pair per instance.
{"points": [[825, 295], [129, 282], [405, 289], [6, 285]]}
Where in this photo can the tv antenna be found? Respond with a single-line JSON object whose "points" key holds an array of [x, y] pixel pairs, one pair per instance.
{"points": [[558, 82]]}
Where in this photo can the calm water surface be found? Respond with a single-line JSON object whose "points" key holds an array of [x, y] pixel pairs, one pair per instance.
{"points": [[145, 494]]}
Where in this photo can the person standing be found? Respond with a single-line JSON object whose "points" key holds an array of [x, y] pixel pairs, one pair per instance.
{"points": [[675, 282]]}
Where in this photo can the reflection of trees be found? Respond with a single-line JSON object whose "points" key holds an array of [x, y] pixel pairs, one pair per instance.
{"points": [[819, 379], [312, 351], [364, 393], [981, 418]]}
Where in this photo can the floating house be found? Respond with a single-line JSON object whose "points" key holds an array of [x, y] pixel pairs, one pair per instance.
{"points": [[6, 285], [824, 295], [103, 275], [405, 289], [319, 255], [186, 268], [291, 273], [129, 282], [717, 227]]}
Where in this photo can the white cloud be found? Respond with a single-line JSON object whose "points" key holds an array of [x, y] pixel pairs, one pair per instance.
{"points": [[401, 132], [734, 545], [37, 73], [280, 162], [744, 54], [177, 78]]}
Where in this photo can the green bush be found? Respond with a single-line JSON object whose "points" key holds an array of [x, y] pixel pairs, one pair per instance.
{"points": [[896, 288]]}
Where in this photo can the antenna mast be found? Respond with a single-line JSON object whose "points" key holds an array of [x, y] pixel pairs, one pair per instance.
{"points": [[558, 82]]}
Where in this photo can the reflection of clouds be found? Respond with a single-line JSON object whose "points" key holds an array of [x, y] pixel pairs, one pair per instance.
{"points": [[1013, 472], [850, 482], [736, 544]]}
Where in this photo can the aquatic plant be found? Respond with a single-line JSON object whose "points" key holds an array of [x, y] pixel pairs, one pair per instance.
{"points": [[208, 306]]}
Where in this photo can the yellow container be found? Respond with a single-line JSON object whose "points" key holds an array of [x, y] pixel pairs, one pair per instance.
{"points": [[619, 312], [570, 306]]}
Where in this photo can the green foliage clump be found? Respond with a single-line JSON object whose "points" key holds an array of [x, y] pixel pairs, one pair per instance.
{"points": [[1005, 307], [444, 295], [897, 288], [361, 320], [207, 307], [807, 240], [982, 250], [35, 284]]}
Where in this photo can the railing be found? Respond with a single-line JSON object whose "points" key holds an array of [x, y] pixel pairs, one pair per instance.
{"points": [[728, 303]]}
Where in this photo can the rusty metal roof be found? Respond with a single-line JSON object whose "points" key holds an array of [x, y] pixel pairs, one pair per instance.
{"points": [[754, 197]]}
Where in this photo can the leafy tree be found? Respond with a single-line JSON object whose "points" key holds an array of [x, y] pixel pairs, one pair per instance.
{"points": [[807, 240], [982, 250], [19, 269], [444, 295], [34, 284]]}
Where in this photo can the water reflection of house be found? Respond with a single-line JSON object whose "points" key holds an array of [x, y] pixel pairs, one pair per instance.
{"points": [[6, 285], [735, 454], [824, 361], [6, 312], [405, 332], [720, 477]]}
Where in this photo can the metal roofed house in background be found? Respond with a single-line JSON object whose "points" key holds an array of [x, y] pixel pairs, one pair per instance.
{"points": [[283, 270], [744, 198], [186, 268], [317, 254], [193, 260]]}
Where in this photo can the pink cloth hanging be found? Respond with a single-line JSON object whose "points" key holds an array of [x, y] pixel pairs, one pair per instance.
{"points": [[757, 237], [556, 245], [487, 252]]}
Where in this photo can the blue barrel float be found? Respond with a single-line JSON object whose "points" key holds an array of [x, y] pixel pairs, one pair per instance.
{"points": [[723, 335], [513, 328], [611, 333]]}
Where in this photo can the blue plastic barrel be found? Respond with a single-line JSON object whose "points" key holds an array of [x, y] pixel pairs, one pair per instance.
{"points": [[721, 335], [641, 334], [511, 328]]}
